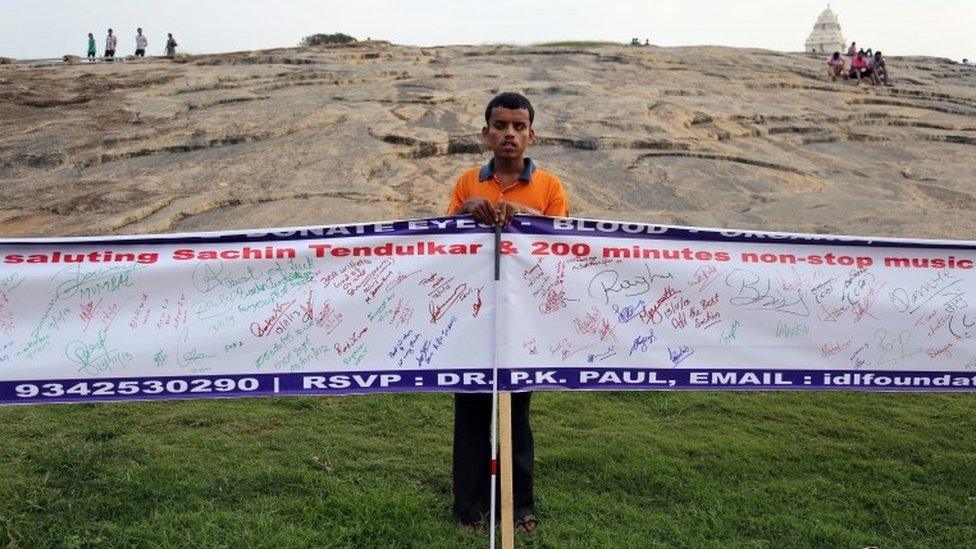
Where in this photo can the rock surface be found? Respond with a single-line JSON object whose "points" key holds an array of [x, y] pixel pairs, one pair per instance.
{"points": [[704, 136]]}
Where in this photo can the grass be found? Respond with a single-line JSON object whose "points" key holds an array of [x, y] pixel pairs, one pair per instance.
{"points": [[613, 470], [576, 44]]}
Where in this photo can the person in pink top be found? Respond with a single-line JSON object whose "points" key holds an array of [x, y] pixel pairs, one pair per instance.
{"points": [[835, 66], [859, 68]]}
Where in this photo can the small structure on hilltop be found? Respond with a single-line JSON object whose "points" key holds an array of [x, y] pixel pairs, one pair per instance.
{"points": [[826, 36]]}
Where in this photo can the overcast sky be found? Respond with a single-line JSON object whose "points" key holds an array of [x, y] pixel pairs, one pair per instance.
{"points": [[51, 28]]}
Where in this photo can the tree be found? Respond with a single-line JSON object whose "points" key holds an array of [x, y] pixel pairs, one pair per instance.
{"points": [[319, 39]]}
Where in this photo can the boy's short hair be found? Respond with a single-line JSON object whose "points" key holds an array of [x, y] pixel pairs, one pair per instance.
{"points": [[510, 100]]}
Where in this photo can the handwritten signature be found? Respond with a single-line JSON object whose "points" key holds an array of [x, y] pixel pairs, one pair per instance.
{"points": [[208, 276], [754, 292], [597, 357], [894, 349], [608, 282], [73, 281], [679, 354], [642, 342], [187, 357], [261, 329], [95, 358], [909, 302], [460, 293]]}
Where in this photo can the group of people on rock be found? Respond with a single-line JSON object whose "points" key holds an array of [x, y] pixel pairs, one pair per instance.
{"points": [[141, 43], [865, 65]]}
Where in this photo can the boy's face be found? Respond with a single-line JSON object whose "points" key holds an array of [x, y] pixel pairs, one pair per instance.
{"points": [[508, 132]]}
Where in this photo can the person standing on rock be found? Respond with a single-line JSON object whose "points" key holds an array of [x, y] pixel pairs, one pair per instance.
{"points": [[110, 42], [852, 51], [508, 184], [170, 45], [91, 48], [141, 43]]}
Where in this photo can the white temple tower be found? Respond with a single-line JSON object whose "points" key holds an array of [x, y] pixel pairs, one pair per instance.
{"points": [[826, 36]]}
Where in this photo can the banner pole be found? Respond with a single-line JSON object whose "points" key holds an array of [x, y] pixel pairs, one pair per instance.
{"points": [[505, 411], [508, 514]]}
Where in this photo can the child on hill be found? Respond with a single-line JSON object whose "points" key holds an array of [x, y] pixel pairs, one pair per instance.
{"points": [[110, 42], [508, 184], [141, 43], [91, 48]]}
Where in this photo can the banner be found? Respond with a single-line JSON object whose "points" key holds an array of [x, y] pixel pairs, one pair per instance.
{"points": [[410, 306], [607, 305]]}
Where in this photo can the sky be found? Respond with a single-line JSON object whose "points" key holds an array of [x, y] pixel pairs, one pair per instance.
{"points": [[52, 28]]}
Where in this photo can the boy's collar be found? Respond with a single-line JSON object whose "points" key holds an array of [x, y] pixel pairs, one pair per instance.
{"points": [[488, 170]]}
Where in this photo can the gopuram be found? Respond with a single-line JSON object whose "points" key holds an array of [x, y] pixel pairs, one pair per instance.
{"points": [[826, 36]]}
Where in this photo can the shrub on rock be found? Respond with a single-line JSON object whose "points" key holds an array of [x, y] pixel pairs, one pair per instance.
{"points": [[319, 39]]}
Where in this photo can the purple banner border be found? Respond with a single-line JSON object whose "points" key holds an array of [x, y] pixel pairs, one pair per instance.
{"points": [[521, 225], [604, 229], [477, 380]]}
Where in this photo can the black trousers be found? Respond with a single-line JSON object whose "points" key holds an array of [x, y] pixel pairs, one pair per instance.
{"points": [[472, 456]]}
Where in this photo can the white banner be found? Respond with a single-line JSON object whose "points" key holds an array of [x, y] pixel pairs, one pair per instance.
{"points": [[593, 304], [407, 306]]}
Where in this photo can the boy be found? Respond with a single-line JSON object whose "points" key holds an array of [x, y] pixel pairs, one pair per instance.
{"points": [[170, 45], [879, 69], [110, 42], [141, 43], [507, 185]]}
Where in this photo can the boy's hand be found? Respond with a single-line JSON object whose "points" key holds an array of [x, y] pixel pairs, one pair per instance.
{"points": [[500, 214], [481, 209], [507, 210]]}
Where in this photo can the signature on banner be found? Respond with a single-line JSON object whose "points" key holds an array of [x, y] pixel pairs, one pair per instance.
{"points": [[609, 283]]}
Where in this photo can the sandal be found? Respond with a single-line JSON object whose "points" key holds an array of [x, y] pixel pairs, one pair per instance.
{"points": [[527, 523], [477, 527]]}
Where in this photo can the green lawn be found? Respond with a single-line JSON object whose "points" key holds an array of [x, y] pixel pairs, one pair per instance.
{"points": [[613, 470]]}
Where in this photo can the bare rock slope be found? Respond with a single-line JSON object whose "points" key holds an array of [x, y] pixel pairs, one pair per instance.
{"points": [[697, 136]]}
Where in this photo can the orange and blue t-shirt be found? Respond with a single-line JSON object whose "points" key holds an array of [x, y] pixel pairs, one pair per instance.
{"points": [[535, 188]]}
